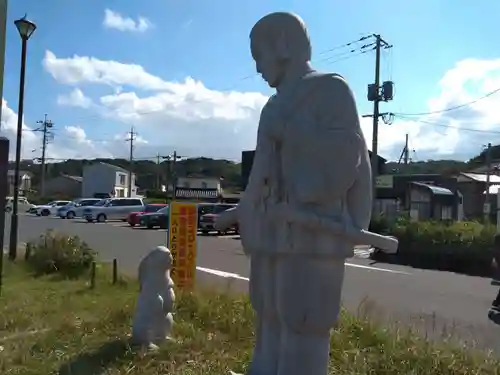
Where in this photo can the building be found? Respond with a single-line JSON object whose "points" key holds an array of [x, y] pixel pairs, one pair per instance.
{"points": [[24, 182], [192, 182], [473, 187], [425, 194], [64, 186], [102, 178], [198, 188], [430, 202]]}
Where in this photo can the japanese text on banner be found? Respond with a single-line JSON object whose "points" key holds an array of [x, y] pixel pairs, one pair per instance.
{"points": [[183, 227]]}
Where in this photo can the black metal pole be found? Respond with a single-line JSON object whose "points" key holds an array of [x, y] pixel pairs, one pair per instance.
{"points": [[4, 167], [14, 220]]}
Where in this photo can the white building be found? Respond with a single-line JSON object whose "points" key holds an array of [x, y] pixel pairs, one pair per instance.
{"points": [[102, 178]]}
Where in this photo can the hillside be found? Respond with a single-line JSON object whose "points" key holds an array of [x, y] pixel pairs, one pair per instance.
{"points": [[149, 173]]}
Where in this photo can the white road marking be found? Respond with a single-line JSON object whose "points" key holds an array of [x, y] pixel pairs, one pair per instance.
{"points": [[222, 273], [239, 277], [376, 269]]}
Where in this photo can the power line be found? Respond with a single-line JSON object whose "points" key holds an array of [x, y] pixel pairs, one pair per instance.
{"points": [[345, 45], [354, 53], [447, 126], [452, 108]]}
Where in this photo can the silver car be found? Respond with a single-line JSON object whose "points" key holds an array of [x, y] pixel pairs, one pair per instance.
{"points": [[113, 209], [75, 208]]}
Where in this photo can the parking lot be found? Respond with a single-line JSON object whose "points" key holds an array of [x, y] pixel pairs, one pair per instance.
{"points": [[433, 301]]}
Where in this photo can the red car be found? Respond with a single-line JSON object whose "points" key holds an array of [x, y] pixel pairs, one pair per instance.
{"points": [[133, 217]]}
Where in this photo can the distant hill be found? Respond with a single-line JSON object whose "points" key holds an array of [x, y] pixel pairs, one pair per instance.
{"points": [[148, 171]]}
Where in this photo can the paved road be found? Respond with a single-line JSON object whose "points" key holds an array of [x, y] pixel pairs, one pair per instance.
{"points": [[431, 301]]}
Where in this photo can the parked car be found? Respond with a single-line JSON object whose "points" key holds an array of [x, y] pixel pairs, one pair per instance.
{"points": [[49, 208], [113, 209], [22, 204], [155, 219], [133, 217], [75, 208], [205, 208], [207, 221]]}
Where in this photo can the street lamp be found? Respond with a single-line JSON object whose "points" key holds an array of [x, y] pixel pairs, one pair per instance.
{"points": [[26, 28]]}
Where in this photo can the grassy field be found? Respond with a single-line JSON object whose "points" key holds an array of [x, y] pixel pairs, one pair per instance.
{"points": [[49, 326]]}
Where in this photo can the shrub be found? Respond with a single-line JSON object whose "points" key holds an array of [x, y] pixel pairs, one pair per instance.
{"points": [[156, 194], [66, 255], [465, 247], [155, 200], [380, 224]]}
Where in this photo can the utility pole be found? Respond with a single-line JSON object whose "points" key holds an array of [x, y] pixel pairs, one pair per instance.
{"points": [[173, 158], [406, 151], [378, 93], [174, 175], [376, 114], [405, 156], [45, 129], [132, 134], [158, 187], [3, 37], [486, 209]]}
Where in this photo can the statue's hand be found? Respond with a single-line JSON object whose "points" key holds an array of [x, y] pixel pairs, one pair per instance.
{"points": [[226, 219]]}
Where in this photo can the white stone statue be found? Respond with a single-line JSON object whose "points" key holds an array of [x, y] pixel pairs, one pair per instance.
{"points": [[307, 204], [153, 318]]}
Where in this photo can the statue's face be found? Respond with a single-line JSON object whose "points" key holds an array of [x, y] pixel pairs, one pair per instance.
{"points": [[267, 63]]}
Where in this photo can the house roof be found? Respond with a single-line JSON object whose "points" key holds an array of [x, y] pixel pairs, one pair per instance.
{"points": [[481, 177], [197, 176], [74, 178], [115, 167], [436, 190]]}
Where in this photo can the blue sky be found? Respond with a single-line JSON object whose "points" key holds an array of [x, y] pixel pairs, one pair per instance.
{"points": [[208, 41]]}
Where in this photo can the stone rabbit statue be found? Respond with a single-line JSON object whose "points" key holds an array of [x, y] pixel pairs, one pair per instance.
{"points": [[153, 319]]}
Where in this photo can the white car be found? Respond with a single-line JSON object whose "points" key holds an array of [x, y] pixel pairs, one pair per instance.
{"points": [[49, 208], [22, 204], [113, 209], [75, 208]]}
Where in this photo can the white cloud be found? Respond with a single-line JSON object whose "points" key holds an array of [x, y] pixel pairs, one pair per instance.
{"points": [[69, 141], [114, 20], [195, 120], [75, 98], [186, 115]]}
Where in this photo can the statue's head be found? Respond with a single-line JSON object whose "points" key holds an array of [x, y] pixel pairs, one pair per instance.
{"points": [[278, 41], [156, 263]]}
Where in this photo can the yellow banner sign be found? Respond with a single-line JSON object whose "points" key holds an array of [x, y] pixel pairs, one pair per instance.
{"points": [[182, 236]]}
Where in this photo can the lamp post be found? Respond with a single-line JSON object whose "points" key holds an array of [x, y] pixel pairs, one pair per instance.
{"points": [[3, 37], [26, 28]]}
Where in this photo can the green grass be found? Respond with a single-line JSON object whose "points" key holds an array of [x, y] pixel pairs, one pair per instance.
{"points": [[50, 326]]}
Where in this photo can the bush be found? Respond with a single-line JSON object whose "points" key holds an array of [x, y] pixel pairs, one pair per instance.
{"points": [[156, 194], [155, 200], [66, 255], [380, 224], [465, 247]]}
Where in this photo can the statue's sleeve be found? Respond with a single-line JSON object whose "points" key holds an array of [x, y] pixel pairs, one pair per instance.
{"points": [[337, 142]]}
